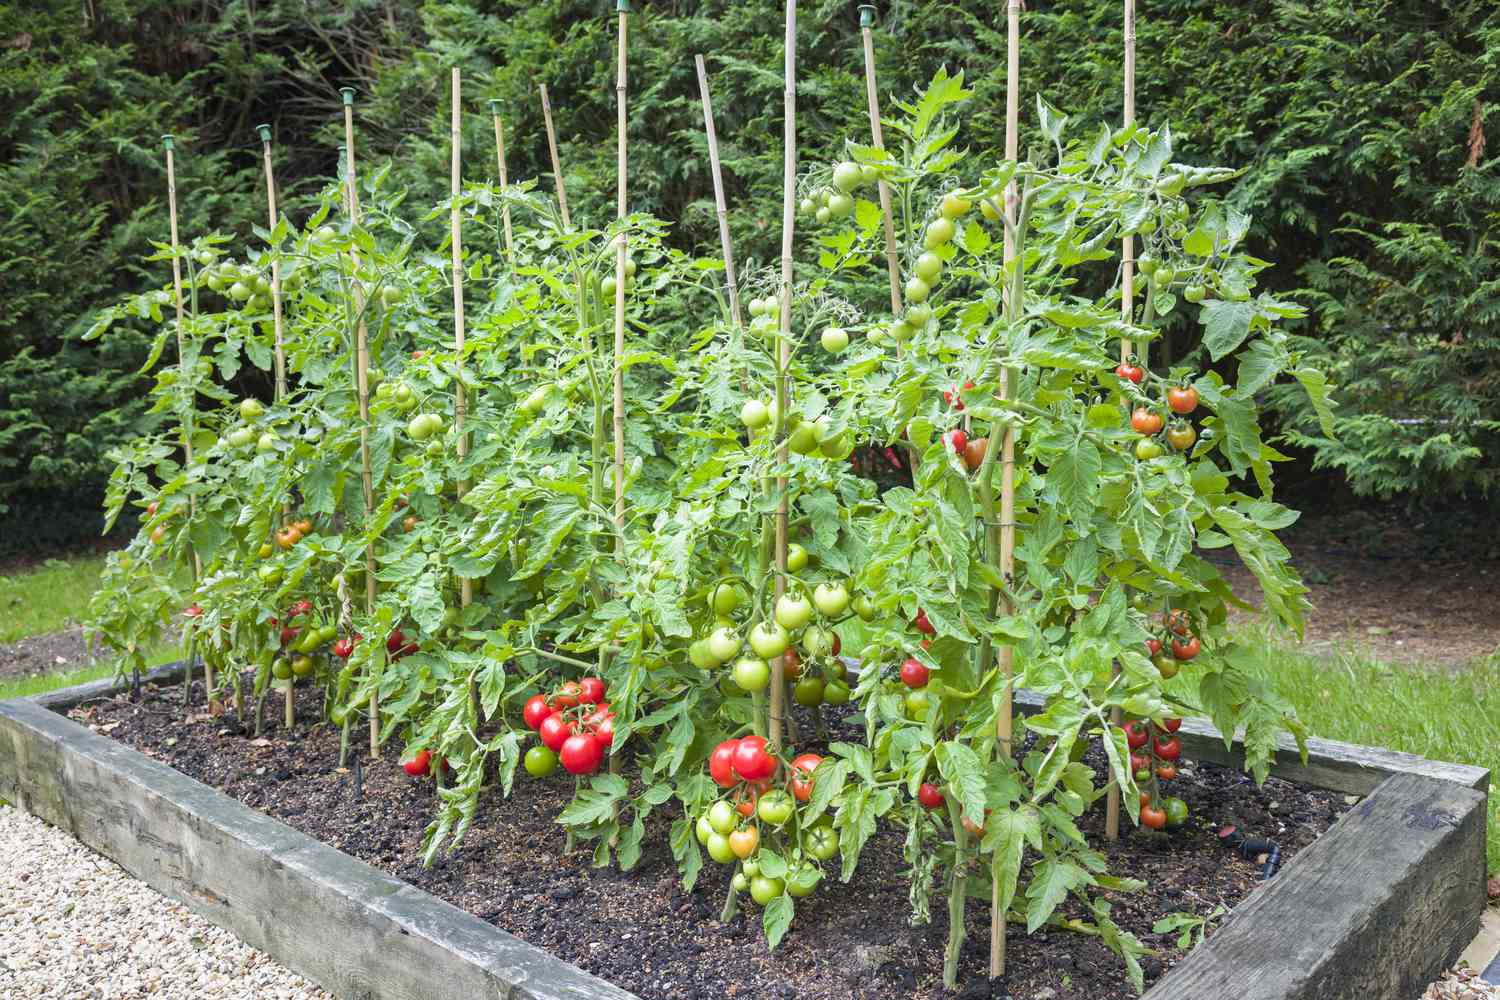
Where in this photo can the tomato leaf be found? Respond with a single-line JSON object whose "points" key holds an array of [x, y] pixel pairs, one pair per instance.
{"points": [[963, 772], [777, 919], [1226, 324], [1054, 878]]}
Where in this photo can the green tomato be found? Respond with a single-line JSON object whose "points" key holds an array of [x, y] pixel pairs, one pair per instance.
{"points": [[808, 692], [1194, 293], [817, 641], [918, 315], [763, 889], [703, 829], [755, 414], [721, 816], [929, 266], [1147, 448], [840, 206], [775, 807], [803, 881], [540, 762], [868, 173], [917, 290], [251, 409], [240, 292], [266, 443], [864, 608], [917, 705], [1146, 265], [831, 599], [793, 611], [820, 841], [241, 437], [608, 286], [834, 339], [719, 849], [796, 558], [740, 882], [769, 639], [803, 440], [939, 231], [751, 674], [1176, 809], [822, 215], [836, 693], [723, 644], [281, 669], [724, 599], [750, 867], [1165, 275], [700, 657], [807, 206], [848, 176], [535, 400]]}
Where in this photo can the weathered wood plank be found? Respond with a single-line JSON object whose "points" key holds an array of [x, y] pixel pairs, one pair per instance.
{"points": [[1379, 907], [358, 932], [1340, 767]]}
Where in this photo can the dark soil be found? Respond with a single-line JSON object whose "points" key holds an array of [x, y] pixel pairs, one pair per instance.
{"points": [[41, 654], [640, 931]]}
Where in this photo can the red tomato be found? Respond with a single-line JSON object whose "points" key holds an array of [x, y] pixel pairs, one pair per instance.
{"points": [[604, 732], [1182, 399], [289, 635], [914, 674], [953, 395], [536, 711], [929, 796], [921, 624], [299, 609], [1185, 650], [837, 645], [1139, 762], [721, 763], [746, 808], [791, 664], [803, 765], [419, 764], [1135, 735], [1171, 725], [751, 761], [1153, 646], [1153, 818], [554, 731], [1145, 421], [1166, 772], [956, 440], [1168, 749], [394, 641], [581, 754], [591, 690], [193, 610], [1131, 373], [1178, 621], [567, 695], [344, 648]]}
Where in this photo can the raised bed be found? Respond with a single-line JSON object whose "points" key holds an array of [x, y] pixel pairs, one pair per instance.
{"points": [[1376, 908]]}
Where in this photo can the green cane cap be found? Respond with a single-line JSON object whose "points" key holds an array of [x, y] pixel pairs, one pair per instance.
{"points": [[348, 93], [866, 16], [264, 131], [622, 6], [494, 103], [166, 141]]}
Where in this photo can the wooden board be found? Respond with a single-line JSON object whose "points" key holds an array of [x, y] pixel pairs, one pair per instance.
{"points": [[359, 933], [1376, 909]]}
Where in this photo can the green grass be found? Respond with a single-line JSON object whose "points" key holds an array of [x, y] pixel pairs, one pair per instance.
{"points": [[1435, 712], [47, 598]]}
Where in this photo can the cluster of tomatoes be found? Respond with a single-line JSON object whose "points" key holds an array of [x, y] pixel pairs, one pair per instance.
{"points": [[1155, 749], [928, 268], [915, 674], [575, 725], [791, 621], [422, 763], [836, 201], [730, 828], [1147, 421], [301, 638], [1176, 646]]}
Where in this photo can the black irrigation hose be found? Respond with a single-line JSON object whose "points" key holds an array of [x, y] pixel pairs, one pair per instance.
{"points": [[1251, 847]]}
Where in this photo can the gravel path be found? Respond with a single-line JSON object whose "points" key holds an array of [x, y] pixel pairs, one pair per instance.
{"points": [[77, 926]]}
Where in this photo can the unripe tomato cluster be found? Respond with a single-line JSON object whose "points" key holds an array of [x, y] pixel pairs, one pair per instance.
{"points": [[829, 202], [799, 631], [730, 828], [576, 727], [301, 637]]}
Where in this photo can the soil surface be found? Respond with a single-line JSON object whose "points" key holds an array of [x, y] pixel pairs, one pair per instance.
{"points": [[42, 654], [642, 932]]}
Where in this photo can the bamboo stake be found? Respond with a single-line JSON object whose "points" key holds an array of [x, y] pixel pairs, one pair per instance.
{"points": [[784, 349], [168, 142], [362, 381], [562, 191], [1127, 312], [1003, 731], [621, 255], [291, 706], [265, 146], [460, 393], [892, 263], [510, 249], [713, 162]]}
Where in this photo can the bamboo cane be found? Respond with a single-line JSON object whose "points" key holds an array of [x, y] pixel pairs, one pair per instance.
{"points": [[455, 222], [784, 349], [510, 249], [276, 321], [562, 191], [877, 138], [168, 142], [1127, 312], [713, 161], [621, 254], [362, 370], [1003, 725]]}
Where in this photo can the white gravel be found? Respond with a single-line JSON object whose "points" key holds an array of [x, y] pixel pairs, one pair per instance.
{"points": [[76, 926]]}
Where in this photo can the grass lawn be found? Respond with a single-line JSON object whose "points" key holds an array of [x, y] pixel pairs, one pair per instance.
{"points": [[1435, 712], [47, 598]]}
